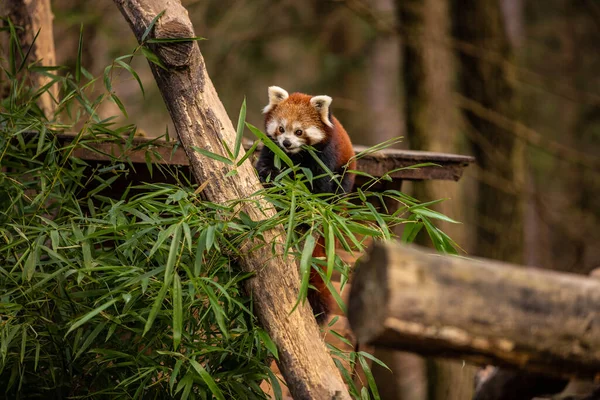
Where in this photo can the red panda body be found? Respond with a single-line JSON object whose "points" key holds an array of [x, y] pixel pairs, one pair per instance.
{"points": [[297, 120]]}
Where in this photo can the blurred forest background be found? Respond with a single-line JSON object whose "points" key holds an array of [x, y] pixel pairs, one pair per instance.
{"points": [[515, 83]]}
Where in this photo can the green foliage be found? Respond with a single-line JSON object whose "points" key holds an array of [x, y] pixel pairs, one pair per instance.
{"points": [[109, 290]]}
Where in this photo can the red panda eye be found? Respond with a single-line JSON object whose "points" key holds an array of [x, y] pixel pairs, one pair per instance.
{"points": [[281, 130], [298, 132]]}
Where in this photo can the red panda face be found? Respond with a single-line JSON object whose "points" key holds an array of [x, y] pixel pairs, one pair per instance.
{"points": [[295, 120], [291, 134]]}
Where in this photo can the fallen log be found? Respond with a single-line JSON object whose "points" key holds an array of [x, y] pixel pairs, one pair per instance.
{"points": [[201, 121], [481, 311]]}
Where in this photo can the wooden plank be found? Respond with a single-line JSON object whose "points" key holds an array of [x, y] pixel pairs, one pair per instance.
{"points": [[448, 166]]}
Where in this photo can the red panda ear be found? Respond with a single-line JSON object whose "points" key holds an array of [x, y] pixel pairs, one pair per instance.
{"points": [[276, 96], [321, 103]]}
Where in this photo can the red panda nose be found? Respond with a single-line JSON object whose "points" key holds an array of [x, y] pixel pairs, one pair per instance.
{"points": [[287, 143]]}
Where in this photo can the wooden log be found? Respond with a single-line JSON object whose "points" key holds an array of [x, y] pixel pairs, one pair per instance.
{"points": [[481, 311], [378, 163], [493, 383], [200, 120], [32, 16]]}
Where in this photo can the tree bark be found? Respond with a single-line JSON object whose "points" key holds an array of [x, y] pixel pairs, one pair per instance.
{"points": [[200, 120], [33, 16], [477, 310], [479, 25], [383, 76], [432, 125]]}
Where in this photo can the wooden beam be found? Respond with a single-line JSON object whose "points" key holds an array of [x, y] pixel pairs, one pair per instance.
{"points": [[481, 311], [447, 166], [201, 121]]}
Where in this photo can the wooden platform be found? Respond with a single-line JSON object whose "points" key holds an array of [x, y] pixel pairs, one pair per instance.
{"points": [[377, 164]]}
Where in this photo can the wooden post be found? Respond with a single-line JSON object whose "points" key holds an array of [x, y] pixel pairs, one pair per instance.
{"points": [[477, 310], [33, 16], [200, 120]]}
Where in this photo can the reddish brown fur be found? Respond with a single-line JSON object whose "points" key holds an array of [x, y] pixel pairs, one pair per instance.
{"points": [[320, 298], [297, 107], [346, 151], [337, 149]]}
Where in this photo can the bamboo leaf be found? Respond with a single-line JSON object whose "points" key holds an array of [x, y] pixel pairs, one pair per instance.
{"points": [[275, 385], [370, 378], [249, 153], [374, 359], [305, 261], [129, 69], [177, 311], [119, 104], [214, 156], [269, 344], [411, 231], [200, 252], [291, 224], [216, 309], [151, 26], [330, 250], [380, 221], [91, 315], [173, 253], [153, 58], [240, 130], [79, 55], [174, 374], [207, 379], [90, 339], [269, 143], [433, 214], [23, 342], [155, 308], [176, 40]]}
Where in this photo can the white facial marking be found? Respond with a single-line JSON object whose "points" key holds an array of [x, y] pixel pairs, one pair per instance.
{"points": [[294, 142], [314, 134], [272, 127]]}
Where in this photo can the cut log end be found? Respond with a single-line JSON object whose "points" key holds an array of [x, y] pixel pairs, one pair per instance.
{"points": [[176, 54]]}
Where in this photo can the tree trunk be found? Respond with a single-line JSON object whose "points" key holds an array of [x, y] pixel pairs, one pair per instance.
{"points": [[200, 120], [383, 68], [432, 125], [33, 16], [479, 26], [477, 310]]}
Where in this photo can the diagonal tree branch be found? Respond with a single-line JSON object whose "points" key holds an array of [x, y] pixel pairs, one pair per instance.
{"points": [[200, 120]]}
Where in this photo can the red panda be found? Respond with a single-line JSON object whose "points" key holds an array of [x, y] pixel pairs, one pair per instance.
{"points": [[296, 120]]}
